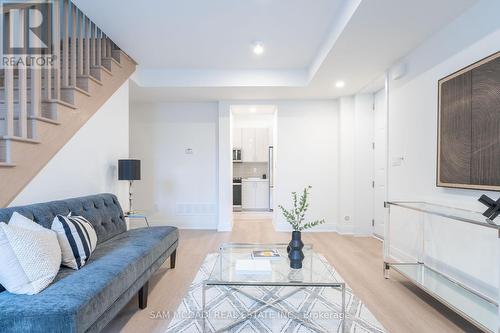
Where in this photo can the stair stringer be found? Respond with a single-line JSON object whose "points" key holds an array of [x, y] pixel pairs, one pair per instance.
{"points": [[29, 158]]}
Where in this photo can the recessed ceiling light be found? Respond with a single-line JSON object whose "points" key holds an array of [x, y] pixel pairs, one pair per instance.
{"points": [[339, 84], [258, 48]]}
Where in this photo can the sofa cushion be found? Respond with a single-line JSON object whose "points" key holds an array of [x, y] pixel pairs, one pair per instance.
{"points": [[102, 210], [77, 299]]}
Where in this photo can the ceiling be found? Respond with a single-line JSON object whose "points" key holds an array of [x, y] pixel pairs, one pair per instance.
{"points": [[202, 50], [216, 34]]}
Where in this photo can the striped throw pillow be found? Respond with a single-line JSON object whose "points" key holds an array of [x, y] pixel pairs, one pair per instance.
{"points": [[77, 239]]}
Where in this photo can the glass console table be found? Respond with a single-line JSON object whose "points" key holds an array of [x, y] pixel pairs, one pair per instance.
{"points": [[482, 311]]}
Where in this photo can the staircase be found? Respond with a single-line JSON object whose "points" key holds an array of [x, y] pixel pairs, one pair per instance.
{"points": [[41, 108]]}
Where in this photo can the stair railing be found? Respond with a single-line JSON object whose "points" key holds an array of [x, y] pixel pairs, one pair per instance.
{"points": [[77, 45]]}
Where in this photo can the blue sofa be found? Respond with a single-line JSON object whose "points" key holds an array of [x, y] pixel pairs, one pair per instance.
{"points": [[86, 300]]}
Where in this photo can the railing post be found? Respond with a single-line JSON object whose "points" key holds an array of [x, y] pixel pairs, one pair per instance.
{"points": [[9, 101], [65, 42], [36, 87], [56, 49], [92, 44], [81, 32], [22, 116], [109, 48], [47, 77], [73, 46], [98, 48], [86, 69], [104, 46], [8, 85]]}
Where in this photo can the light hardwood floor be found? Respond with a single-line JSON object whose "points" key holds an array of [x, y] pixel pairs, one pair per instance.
{"points": [[398, 305]]}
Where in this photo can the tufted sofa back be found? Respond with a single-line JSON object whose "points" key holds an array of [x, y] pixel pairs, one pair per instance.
{"points": [[102, 210]]}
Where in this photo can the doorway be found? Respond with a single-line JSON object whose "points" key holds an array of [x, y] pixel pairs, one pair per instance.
{"points": [[253, 155]]}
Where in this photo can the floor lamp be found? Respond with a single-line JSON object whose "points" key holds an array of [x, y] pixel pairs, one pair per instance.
{"points": [[129, 170]]}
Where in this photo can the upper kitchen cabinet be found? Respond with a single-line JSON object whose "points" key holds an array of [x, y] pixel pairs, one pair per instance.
{"points": [[237, 138], [254, 144], [261, 145], [248, 144]]}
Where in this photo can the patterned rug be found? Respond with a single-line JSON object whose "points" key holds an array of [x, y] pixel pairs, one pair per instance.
{"points": [[319, 309]]}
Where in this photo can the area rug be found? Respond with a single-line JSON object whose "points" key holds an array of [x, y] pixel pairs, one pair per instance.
{"points": [[320, 307]]}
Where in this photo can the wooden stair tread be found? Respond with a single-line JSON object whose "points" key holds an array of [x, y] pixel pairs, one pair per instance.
{"points": [[7, 165], [113, 60], [90, 77], [61, 102], [19, 139], [46, 120], [83, 91], [39, 118], [102, 68], [57, 101]]}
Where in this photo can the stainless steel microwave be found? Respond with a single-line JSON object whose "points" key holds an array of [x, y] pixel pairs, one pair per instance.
{"points": [[237, 155]]}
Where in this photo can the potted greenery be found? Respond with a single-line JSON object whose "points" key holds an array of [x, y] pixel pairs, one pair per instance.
{"points": [[296, 218]]}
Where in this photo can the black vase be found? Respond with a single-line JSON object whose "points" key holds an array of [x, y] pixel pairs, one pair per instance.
{"points": [[294, 249]]}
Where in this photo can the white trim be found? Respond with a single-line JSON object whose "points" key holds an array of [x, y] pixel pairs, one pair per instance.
{"points": [[225, 170], [154, 78]]}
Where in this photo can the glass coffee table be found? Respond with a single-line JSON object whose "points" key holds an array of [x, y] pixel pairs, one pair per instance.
{"points": [[315, 273]]}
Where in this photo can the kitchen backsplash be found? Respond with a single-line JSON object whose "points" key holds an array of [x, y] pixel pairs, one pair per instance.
{"points": [[249, 169]]}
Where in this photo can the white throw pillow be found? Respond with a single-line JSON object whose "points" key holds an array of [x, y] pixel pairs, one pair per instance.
{"points": [[21, 221], [77, 239], [30, 256]]}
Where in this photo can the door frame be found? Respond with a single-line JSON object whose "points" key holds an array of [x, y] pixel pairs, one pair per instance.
{"points": [[224, 159], [386, 160]]}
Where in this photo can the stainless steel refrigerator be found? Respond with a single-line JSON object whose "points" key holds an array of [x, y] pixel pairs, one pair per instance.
{"points": [[271, 176]]}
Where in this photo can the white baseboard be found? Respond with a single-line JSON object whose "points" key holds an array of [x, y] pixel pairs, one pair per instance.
{"points": [[224, 228], [196, 228]]}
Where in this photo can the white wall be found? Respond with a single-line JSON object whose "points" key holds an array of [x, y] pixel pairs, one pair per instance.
{"points": [[346, 165], [177, 188], [307, 154], [253, 120], [316, 144], [355, 198], [87, 164], [469, 253], [309, 137]]}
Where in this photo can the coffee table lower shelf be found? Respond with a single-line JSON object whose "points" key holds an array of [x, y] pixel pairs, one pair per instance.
{"points": [[274, 304], [472, 306]]}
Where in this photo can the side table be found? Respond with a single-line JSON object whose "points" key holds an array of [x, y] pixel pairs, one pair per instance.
{"points": [[137, 216]]}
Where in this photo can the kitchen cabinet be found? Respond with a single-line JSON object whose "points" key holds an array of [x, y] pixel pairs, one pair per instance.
{"points": [[261, 144], [248, 144], [247, 195], [255, 144], [255, 194], [237, 138], [262, 195]]}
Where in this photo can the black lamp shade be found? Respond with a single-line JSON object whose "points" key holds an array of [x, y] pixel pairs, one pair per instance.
{"points": [[129, 170]]}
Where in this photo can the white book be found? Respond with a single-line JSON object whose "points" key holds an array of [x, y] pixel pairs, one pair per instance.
{"points": [[253, 267], [266, 254]]}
